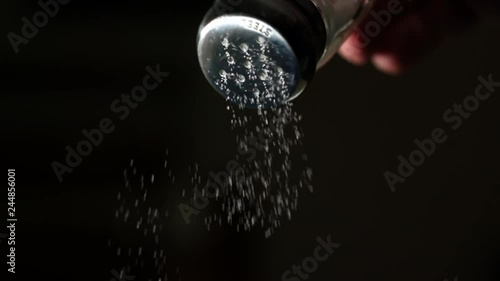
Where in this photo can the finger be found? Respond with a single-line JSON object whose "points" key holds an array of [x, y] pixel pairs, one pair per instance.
{"points": [[359, 46], [355, 49], [410, 37]]}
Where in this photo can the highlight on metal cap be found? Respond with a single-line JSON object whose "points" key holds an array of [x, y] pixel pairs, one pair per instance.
{"points": [[262, 54]]}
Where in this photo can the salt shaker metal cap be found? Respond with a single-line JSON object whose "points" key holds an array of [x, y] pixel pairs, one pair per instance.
{"points": [[263, 53]]}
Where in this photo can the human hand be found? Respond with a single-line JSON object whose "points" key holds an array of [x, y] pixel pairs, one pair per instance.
{"points": [[397, 32]]}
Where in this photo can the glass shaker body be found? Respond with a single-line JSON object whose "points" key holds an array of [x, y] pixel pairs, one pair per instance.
{"points": [[340, 18]]}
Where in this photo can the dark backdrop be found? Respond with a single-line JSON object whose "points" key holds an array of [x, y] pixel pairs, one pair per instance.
{"points": [[441, 223]]}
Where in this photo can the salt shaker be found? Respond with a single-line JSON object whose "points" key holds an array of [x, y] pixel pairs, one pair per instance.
{"points": [[263, 53]]}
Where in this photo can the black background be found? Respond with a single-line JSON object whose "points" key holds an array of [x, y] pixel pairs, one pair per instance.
{"points": [[441, 223]]}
